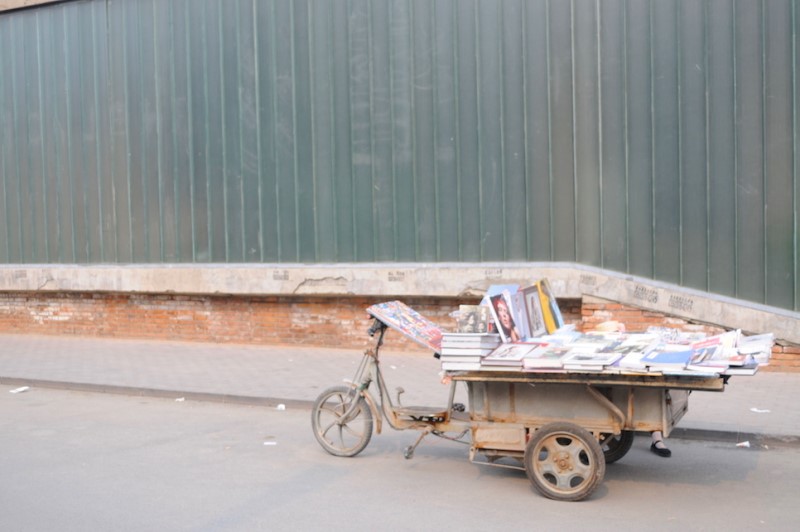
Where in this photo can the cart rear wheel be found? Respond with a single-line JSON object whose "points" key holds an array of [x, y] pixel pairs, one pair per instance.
{"points": [[616, 446], [338, 435], [564, 462]]}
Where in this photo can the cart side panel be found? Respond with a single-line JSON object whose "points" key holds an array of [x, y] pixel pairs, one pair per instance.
{"points": [[499, 436], [537, 405], [676, 405], [649, 409], [534, 405]]}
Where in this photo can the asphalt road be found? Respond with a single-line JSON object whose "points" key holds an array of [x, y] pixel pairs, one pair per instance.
{"points": [[80, 461]]}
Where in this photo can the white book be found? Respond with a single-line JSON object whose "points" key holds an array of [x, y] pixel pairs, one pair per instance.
{"points": [[741, 370], [463, 358], [470, 340], [633, 361], [461, 366], [500, 367], [465, 351], [579, 368], [545, 356], [509, 354], [587, 358]]}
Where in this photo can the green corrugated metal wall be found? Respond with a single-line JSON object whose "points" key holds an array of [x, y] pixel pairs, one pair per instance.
{"points": [[657, 138]]}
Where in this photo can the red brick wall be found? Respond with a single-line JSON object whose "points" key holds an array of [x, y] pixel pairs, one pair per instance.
{"points": [[594, 312], [340, 322], [314, 321]]}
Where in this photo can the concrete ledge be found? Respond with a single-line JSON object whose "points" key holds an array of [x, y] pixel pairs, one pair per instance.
{"points": [[398, 280], [8, 5]]}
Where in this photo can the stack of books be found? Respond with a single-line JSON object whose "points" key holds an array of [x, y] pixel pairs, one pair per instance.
{"points": [[631, 354], [729, 353], [522, 330], [464, 351]]}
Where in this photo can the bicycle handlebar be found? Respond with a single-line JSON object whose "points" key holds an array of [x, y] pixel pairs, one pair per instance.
{"points": [[377, 325]]}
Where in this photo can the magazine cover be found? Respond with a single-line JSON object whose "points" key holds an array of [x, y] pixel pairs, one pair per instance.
{"points": [[473, 319], [503, 314], [533, 307], [552, 315], [409, 322]]}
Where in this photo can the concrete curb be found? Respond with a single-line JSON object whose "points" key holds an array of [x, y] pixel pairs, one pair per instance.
{"points": [[158, 393], [734, 437], [756, 440]]}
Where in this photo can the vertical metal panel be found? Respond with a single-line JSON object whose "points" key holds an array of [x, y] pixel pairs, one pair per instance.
{"points": [[795, 279], [18, 115], [587, 133], [778, 217], [656, 138], [345, 219], [446, 130], [9, 219], [306, 222], [147, 54], [469, 200], [749, 203], [47, 97], [361, 129], [639, 111], [612, 178], [180, 142], [721, 140], [513, 98], [562, 131], [666, 150], [323, 126], [5, 131], [381, 109], [537, 129], [35, 142], [424, 118], [103, 147], [402, 105], [249, 130], [119, 167], [268, 184], [692, 144], [490, 144]]}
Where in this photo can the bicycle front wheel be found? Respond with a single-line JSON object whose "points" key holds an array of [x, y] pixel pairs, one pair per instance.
{"points": [[340, 433]]}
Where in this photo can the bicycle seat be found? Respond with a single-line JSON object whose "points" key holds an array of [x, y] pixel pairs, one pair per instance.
{"points": [[421, 412]]}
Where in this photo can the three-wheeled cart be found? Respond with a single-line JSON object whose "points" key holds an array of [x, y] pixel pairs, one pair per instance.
{"points": [[561, 428]]}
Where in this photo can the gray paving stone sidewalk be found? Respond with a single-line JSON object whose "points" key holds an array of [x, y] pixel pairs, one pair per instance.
{"points": [[765, 405]]}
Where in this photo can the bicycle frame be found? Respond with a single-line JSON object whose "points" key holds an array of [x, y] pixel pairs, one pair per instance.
{"points": [[399, 418]]}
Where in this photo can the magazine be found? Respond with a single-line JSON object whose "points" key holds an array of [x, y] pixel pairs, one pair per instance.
{"points": [[552, 314], [473, 319], [533, 309], [503, 312], [409, 322]]}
